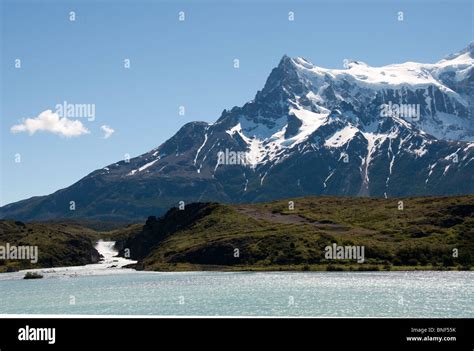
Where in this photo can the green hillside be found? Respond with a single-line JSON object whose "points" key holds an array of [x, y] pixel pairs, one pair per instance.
{"points": [[422, 233], [425, 234], [58, 244]]}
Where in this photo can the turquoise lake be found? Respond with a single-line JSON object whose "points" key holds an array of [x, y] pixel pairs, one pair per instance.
{"points": [[315, 294]]}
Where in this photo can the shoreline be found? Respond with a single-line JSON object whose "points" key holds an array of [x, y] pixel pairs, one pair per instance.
{"points": [[100, 269], [108, 264], [299, 269], [112, 264]]}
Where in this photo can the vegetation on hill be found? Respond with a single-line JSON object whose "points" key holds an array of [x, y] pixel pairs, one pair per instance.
{"points": [[58, 244], [408, 233], [421, 233]]}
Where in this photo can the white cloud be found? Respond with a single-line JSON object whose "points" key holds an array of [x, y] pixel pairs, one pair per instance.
{"points": [[107, 131], [48, 121]]}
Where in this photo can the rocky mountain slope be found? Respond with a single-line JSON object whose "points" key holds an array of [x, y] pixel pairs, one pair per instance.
{"points": [[397, 130]]}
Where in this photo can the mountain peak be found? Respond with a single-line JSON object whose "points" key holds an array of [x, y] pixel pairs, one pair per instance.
{"points": [[284, 59], [284, 79], [386, 131], [294, 62], [286, 64]]}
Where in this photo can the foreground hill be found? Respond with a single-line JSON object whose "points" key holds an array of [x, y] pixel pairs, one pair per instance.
{"points": [[58, 244], [271, 236], [416, 233]]}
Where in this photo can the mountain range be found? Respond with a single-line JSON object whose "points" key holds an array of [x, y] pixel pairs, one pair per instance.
{"points": [[392, 131]]}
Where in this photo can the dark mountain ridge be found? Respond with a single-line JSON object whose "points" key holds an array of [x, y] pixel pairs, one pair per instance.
{"points": [[309, 131]]}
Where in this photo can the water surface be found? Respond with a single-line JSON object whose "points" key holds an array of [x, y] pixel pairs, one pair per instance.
{"points": [[317, 294]]}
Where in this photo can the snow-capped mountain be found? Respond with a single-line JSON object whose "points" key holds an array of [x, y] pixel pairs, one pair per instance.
{"points": [[397, 130]]}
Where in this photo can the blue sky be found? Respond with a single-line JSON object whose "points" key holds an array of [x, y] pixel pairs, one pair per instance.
{"points": [[177, 63]]}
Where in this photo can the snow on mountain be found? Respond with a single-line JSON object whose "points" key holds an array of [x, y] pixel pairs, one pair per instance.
{"points": [[397, 130], [310, 94], [316, 92], [341, 137]]}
